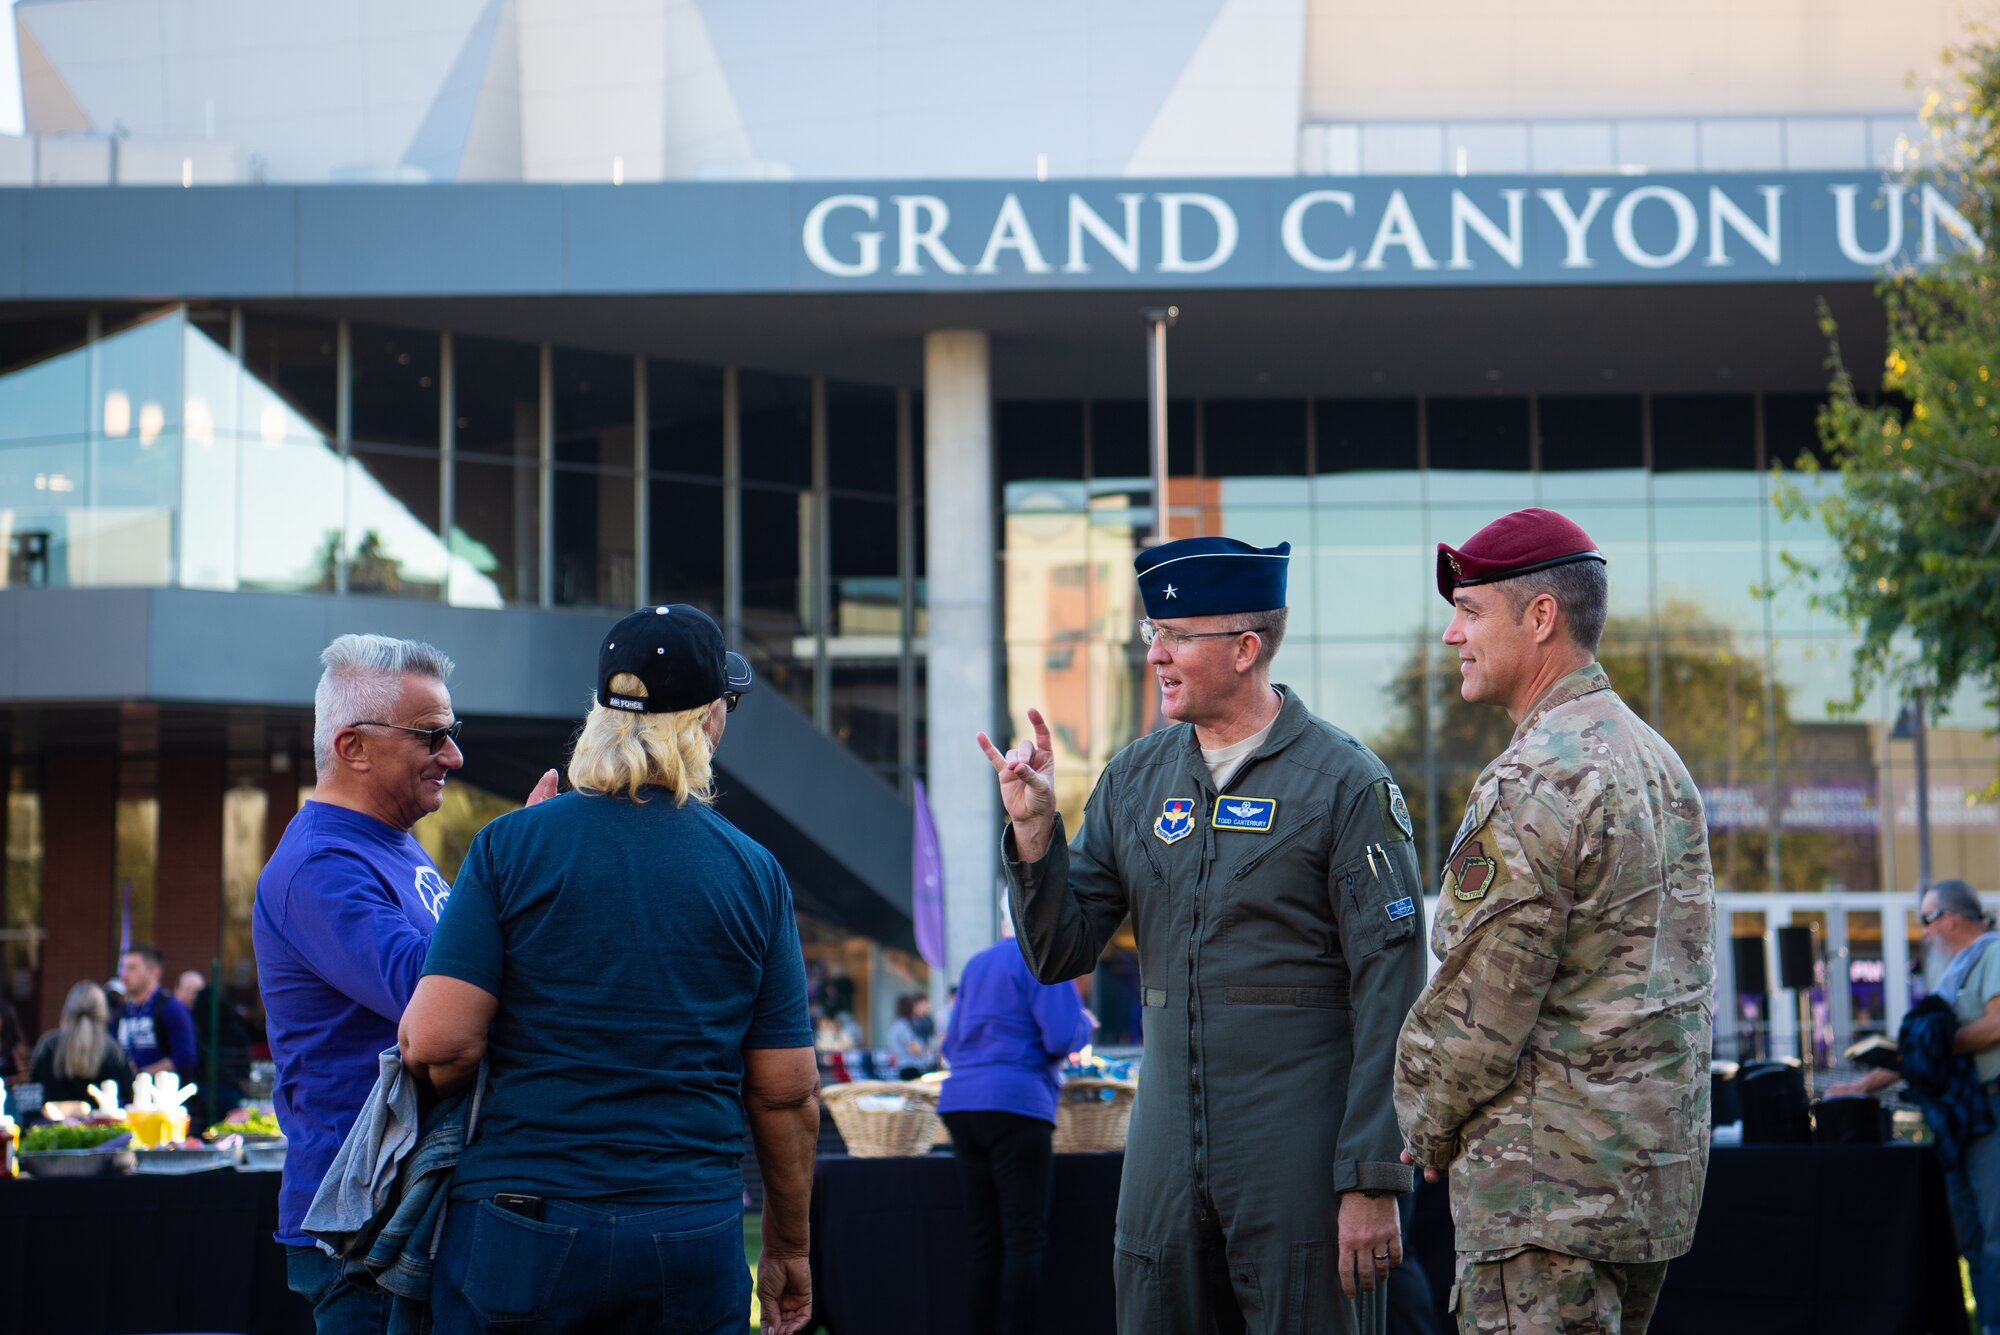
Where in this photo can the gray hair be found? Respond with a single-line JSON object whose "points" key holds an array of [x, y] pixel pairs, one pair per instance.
{"points": [[363, 680], [1270, 628], [1580, 589], [1955, 896]]}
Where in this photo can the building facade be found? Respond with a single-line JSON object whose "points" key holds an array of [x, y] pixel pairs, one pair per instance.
{"points": [[490, 321]]}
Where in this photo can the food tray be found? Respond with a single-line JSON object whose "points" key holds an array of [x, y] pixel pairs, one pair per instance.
{"points": [[75, 1163], [883, 1119], [1093, 1115], [264, 1156], [178, 1161]]}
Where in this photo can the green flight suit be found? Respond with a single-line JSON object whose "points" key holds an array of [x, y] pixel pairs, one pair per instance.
{"points": [[1278, 929]]}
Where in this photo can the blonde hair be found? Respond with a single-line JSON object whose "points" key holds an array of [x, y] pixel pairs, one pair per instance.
{"points": [[622, 751], [84, 1032]]}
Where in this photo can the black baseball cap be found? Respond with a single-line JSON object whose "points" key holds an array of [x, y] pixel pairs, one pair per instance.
{"points": [[677, 651]]}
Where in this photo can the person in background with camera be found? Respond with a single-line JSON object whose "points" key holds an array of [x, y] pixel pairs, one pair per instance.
{"points": [[1963, 970], [1009, 1035], [602, 1187]]}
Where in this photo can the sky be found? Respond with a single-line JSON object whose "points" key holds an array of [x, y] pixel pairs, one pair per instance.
{"points": [[10, 73]]}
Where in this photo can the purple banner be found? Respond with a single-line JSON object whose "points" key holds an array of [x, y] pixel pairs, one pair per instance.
{"points": [[927, 884], [124, 925]]}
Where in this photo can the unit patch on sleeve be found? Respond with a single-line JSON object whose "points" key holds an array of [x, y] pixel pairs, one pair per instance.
{"points": [[1176, 820], [1470, 874], [1245, 813], [1395, 811], [1402, 908]]}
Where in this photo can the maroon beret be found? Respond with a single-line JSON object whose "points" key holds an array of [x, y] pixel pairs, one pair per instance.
{"points": [[1515, 544]]}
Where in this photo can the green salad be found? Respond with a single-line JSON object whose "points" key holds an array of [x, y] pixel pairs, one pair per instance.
{"points": [[256, 1124], [63, 1137]]}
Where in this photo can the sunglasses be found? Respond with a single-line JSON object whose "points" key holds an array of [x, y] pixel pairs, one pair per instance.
{"points": [[434, 738], [729, 699], [1928, 918]]}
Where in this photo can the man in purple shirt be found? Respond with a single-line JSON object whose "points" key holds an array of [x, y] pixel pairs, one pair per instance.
{"points": [[1008, 1036], [344, 915], [156, 1031]]}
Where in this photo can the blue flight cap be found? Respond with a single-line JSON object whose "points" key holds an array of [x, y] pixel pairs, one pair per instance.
{"points": [[1200, 577]]}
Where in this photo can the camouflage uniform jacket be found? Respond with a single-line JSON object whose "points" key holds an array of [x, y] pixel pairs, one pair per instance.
{"points": [[1558, 1059]]}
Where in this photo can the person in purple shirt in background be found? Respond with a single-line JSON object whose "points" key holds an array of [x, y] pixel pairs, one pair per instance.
{"points": [[155, 1029], [344, 914], [1009, 1034]]}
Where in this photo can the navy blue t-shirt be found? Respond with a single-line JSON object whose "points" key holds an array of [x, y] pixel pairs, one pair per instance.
{"points": [[637, 948], [162, 1027], [345, 910]]}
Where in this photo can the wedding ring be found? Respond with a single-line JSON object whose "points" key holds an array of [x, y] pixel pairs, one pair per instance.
{"points": [[1381, 1256]]}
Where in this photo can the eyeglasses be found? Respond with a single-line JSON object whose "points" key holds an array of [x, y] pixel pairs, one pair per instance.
{"points": [[434, 738], [1149, 632], [729, 699]]}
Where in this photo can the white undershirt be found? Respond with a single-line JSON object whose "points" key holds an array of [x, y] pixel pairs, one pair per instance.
{"points": [[1222, 762]]}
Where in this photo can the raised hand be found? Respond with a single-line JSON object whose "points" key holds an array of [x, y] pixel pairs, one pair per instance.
{"points": [[1027, 787]]}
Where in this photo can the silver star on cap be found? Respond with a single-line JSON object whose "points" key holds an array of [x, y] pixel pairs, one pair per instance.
{"points": [[1171, 592]]}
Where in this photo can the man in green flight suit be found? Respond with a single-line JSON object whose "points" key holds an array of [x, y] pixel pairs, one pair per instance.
{"points": [[1265, 859], [1557, 1063]]}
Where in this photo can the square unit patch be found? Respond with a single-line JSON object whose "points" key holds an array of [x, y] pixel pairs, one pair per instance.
{"points": [[1245, 813]]}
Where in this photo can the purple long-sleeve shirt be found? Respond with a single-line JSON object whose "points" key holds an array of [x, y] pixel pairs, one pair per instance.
{"points": [[1009, 1034]]}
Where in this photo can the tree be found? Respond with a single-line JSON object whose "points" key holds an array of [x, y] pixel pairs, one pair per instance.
{"points": [[1915, 514]]}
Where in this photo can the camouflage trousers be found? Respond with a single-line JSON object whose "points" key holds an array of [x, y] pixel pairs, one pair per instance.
{"points": [[1536, 1292]]}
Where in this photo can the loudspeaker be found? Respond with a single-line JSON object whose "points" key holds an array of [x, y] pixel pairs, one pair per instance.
{"points": [[1795, 957], [1747, 954], [1853, 1119], [1773, 1095]]}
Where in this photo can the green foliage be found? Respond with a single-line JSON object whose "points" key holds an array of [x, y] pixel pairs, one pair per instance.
{"points": [[1915, 514], [60, 1136]]}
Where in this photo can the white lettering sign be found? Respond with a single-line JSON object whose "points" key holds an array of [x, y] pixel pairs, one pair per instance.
{"points": [[1392, 231]]}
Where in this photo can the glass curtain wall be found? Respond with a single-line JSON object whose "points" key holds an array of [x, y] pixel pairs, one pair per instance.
{"points": [[1706, 639]]}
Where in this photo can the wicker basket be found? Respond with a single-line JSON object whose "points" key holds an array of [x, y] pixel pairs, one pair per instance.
{"points": [[883, 1133], [1092, 1115]]}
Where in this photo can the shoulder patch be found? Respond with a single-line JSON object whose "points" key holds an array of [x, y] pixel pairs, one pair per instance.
{"points": [[1396, 822], [1470, 873]]}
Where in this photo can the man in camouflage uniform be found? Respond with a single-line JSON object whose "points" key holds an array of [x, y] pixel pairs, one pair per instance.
{"points": [[1557, 1063]]}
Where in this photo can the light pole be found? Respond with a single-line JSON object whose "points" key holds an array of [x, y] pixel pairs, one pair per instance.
{"points": [[1158, 320]]}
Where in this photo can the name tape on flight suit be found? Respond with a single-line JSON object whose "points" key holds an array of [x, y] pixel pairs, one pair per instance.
{"points": [[1245, 813]]}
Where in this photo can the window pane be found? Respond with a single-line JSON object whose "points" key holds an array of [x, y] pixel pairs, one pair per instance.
{"points": [[395, 391], [298, 361], [1479, 451], [867, 594], [1365, 450], [1600, 431], [776, 590], [861, 438], [1033, 441], [865, 708], [593, 409], [684, 416], [594, 539], [687, 544], [1253, 437], [1791, 428], [1705, 446], [1119, 446], [776, 416], [495, 545], [496, 390], [392, 524]]}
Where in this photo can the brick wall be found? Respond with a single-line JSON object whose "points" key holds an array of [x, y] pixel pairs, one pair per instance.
{"points": [[79, 910]]}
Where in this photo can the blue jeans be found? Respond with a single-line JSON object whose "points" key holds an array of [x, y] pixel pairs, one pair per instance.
{"points": [[338, 1307], [1975, 1216], [590, 1268]]}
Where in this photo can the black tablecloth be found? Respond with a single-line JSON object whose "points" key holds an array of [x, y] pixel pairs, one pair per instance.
{"points": [[1818, 1240], [116, 1255], [1807, 1240], [889, 1250], [1792, 1241]]}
